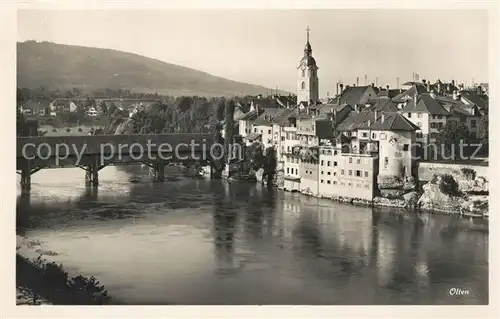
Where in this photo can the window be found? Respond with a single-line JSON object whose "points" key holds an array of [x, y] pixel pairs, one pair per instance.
{"points": [[406, 147], [358, 173], [419, 134], [269, 132], [329, 173], [303, 73], [322, 162], [350, 172], [282, 138], [321, 172], [334, 173], [358, 161], [334, 164], [364, 134], [419, 115], [335, 153], [296, 171], [261, 131], [341, 172], [440, 117], [350, 159], [366, 186], [288, 170], [350, 184], [322, 181], [473, 123], [334, 182], [374, 135], [386, 161], [419, 124], [328, 163], [409, 115], [328, 182], [303, 85], [255, 130]]}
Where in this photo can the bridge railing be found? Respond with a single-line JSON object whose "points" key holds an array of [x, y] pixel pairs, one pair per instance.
{"points": [[28, 147]]}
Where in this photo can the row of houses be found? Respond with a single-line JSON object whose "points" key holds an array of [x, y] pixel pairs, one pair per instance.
{"points": [[340, 148], [43, 107]]}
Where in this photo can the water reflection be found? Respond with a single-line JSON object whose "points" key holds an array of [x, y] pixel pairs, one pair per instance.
{"points": [[283, 248]]}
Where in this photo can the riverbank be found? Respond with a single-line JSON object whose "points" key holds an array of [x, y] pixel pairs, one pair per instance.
{"points": [[39, 281]]}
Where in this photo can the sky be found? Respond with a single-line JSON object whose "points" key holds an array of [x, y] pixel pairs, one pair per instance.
{"points": [[264, 46]]}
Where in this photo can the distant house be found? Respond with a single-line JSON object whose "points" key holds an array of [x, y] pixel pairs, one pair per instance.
{"points": [[92, 111], [63, 105], [38, 107]]}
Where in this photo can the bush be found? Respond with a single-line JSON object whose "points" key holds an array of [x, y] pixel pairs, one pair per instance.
{"points": [[448, 185], [65, 290], [468, 172], [80, 129]]}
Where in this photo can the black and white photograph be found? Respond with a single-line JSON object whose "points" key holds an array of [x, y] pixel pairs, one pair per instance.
{"points": [[252, 157]]}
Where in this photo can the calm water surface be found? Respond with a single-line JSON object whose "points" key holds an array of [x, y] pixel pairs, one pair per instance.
{"points": [[211, 242]]}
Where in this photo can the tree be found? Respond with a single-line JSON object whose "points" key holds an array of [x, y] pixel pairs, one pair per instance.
{"points": [[451, 137]]}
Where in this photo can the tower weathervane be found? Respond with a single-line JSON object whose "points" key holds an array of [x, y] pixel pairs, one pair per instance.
{"points": [[307, 30]]}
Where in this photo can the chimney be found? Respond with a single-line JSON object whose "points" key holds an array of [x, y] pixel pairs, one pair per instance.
{"points": [[424, 81], [382, 119], [453, 82], [387, 88], [433, 94], [334, 114], [356, 108], [369, 123], [341, 87], [366, 79], [455, 95], [373, 85], [479, 90], [428, 86], [376, 115], [357, 81], [439, 87]]}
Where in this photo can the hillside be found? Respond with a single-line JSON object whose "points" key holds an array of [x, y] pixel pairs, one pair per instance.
{"points": [[57, 66]]}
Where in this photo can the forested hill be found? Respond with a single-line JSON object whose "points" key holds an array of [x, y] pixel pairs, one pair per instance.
{"points": [[57, 66]]}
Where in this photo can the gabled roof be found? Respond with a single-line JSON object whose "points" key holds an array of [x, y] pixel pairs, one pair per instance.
{"points": [[417, 88], [353, 95], [265, 103], [249, 116], [355, 120], [392, 121], [383, 104], [282, 117], [425, 104], [388, 93], [481, 100], [267, 117]]}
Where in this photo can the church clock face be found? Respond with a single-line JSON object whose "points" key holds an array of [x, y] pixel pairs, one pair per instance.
{"points": [[303, 66]]}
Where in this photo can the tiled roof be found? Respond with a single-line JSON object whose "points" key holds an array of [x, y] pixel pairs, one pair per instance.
{"points": [[481, 101], [410, 93], [425, 104], [353, 95], [265, 103], [388, 93], [249, 116], [281, 117], [383, 104], [393, 121], [355, 120], [267, 117]]}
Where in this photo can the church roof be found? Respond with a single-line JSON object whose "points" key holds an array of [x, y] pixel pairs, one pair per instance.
{"points": [[309, 60]]}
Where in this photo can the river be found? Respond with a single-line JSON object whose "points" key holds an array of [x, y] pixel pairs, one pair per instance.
{"points": [[196, 241]]}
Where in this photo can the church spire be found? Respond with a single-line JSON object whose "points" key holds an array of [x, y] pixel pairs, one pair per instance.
{"points": [[307, 49]]}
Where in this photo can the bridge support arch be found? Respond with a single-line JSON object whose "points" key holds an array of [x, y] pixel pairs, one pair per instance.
{"points": [[26, 172], [92, 166]]}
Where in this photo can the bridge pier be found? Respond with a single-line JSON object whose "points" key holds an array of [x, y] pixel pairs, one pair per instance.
{"points": [[92, 168], [157, 170], [26, 172], [25, 179]]}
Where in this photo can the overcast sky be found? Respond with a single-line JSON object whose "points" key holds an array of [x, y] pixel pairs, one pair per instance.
{"points": [[264, 47]]}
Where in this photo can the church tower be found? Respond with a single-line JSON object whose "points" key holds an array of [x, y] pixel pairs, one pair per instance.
{"points": [[307, 83]]}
